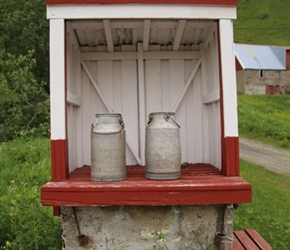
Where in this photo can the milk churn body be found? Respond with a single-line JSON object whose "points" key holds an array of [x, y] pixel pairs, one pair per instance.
{"points": [[108, 150], [163, 149]]}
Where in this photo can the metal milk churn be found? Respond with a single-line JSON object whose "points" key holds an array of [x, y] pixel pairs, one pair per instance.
{"points": [[108, 148], [162, 148]]}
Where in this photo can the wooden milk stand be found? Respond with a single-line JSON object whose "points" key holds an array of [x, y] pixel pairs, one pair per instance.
{"points": [[135, 57]]}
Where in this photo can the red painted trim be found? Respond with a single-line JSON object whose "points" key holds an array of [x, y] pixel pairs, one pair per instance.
{"points": [[238, 65], [203, 2], [249, 239], [59, 160], [224, 165], [231, 156], [272, 89], [258, 239], [199, 184], [56, 211], [288, 59], [229, 145]]}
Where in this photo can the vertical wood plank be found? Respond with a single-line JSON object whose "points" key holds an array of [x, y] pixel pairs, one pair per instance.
{"points": [[153, 86], [105, 81], [164, 85], [86, 118], [141, 100], [79, 138], [130, 109], [189, 114], [197, 108], [204, 108], [57, 79], [117, 80], [228, 78], [59, 159]]}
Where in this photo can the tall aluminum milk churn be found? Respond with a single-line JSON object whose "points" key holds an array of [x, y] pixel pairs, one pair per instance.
{"points": [[162, 148], [108, 148]]}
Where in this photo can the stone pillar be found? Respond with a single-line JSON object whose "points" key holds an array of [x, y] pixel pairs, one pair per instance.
{"points": [[224, 238], [144, 228]]}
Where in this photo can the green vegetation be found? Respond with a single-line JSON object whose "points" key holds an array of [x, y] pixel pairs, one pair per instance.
{"points": [[24, 111], [265, 118], [25, 223], [263, 22], [269, 211], [24, 102]]}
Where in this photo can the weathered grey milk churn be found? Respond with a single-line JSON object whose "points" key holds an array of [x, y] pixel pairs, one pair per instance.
{"points": [[108, 149], [162, 149]]}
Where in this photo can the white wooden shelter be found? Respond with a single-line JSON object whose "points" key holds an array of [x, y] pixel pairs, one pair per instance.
{"points": [[137, 57]]}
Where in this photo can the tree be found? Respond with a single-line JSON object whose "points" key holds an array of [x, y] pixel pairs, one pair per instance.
{"points": [[24, 28], [24, 104], [24, 100]]}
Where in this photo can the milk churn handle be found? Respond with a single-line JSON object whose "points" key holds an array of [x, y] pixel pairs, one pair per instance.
{"points": [[150, 119], [109, 133], [167, 117]]}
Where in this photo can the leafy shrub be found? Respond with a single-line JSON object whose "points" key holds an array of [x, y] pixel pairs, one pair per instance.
{"points": [[24, 104]]}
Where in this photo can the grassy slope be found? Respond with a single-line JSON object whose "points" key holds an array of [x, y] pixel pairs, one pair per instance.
{"points": [[265, 118], [273, 29]]}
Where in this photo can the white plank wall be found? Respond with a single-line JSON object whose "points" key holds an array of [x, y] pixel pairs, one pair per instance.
{"points": [[117, 81], [164, 81], [74, 128]]}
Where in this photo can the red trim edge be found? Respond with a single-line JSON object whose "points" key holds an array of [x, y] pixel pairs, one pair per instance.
{"points": [[230, 146], [202, 2], [59, 161], [56, 211], [198, 184]]}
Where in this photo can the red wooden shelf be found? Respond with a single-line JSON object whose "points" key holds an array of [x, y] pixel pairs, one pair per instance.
{"points": [[199, 184]]}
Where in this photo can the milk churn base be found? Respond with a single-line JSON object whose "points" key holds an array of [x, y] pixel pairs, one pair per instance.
{"points": [[106, 179], [168, 176]]}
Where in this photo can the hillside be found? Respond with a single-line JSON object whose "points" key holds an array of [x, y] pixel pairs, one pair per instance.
{"points": [[265, 118], [263, 22]]}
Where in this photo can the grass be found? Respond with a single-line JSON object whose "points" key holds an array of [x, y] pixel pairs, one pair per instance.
{"points": [[269, 211], [265, 118], [263, 22], [25, 223]]}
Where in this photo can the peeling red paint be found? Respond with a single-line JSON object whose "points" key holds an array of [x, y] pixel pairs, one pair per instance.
{"points": [[59, 164], [199, 184], [231, 157]]}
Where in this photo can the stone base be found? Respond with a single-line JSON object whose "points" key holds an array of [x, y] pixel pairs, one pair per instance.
{"points": [[144, 228]]}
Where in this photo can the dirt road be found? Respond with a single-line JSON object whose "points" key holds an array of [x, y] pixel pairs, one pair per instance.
{"points": [[275, 159]]}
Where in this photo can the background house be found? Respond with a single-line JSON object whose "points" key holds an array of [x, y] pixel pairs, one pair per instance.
{"points": [[262, 69]]}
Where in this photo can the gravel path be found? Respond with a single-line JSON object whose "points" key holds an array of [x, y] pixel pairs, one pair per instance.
{"points": [[272, 158]]}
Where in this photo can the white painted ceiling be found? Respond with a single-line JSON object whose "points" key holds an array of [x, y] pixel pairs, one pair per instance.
{"points": [[112, 34]]}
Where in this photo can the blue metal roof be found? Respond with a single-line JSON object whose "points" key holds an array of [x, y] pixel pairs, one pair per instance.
{"points": [[260, 57]]}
